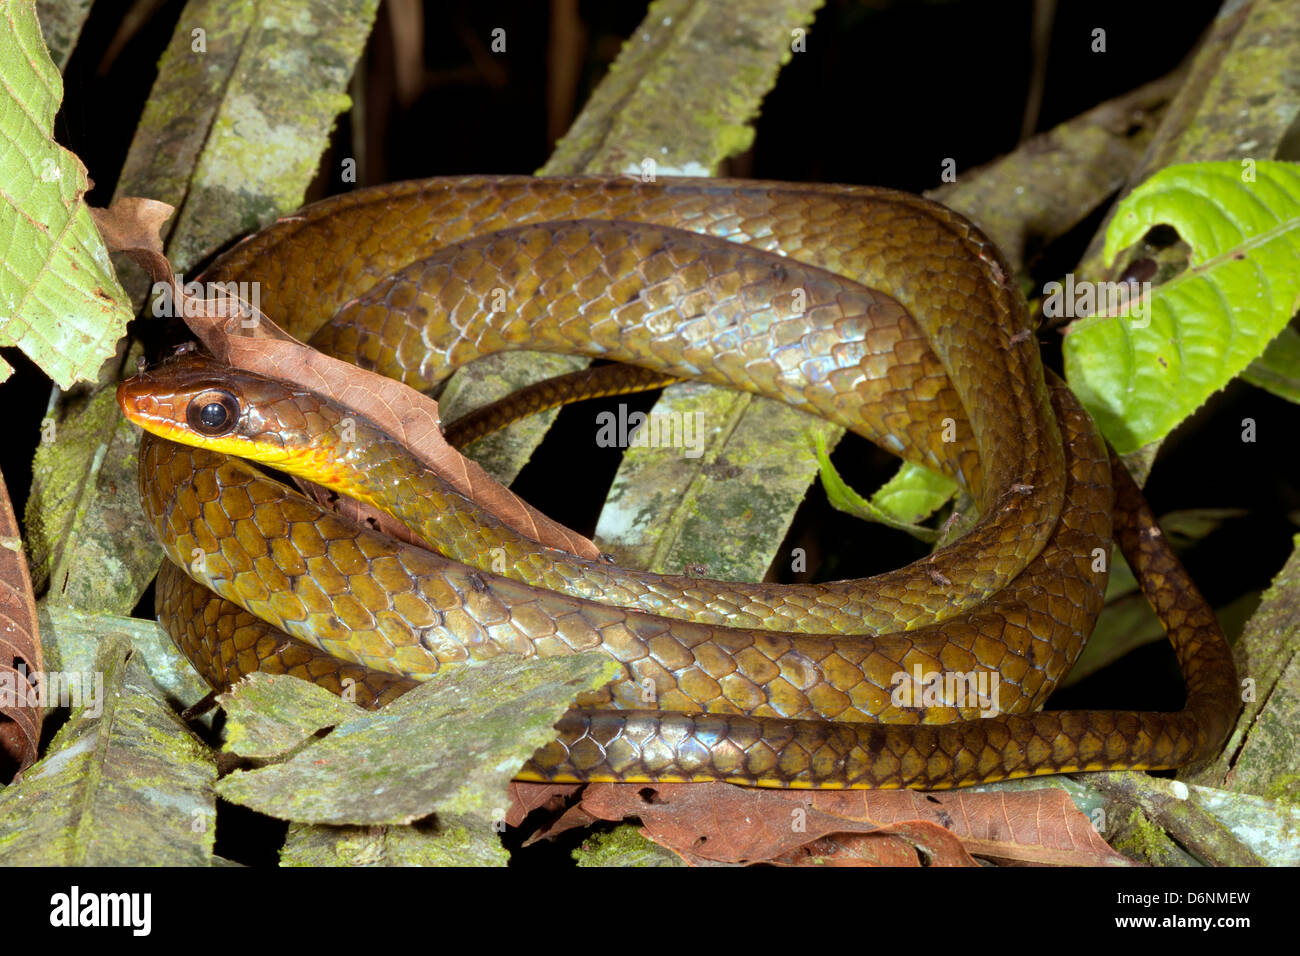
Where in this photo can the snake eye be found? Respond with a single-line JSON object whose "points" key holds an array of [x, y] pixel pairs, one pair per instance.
{"points": [[214, 412]]}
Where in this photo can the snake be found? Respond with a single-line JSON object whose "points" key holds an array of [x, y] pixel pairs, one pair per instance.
{"points": [[880, 311]]}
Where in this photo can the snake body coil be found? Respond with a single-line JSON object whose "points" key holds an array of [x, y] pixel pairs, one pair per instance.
{"points": [[882, 312]]}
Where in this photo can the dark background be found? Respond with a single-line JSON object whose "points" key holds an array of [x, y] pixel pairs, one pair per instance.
{"points": [[883, 94]]}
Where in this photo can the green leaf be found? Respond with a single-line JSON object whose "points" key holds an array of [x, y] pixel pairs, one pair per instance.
{"points": [[1260, 756], [450, 845], [71, 639], [728, 509], [1278, 369], [913, 494], [1267, 827], [59, 299], [124, 783], [269, 715], [624, 846], [451, 745], [1141, 375], [84, 493]]}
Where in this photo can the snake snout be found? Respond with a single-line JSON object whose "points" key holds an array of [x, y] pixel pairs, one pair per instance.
{"points": [[131, 400], [138, 403], [127, 399]]}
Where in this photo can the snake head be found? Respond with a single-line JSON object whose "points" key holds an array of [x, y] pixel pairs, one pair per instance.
{"points": [[195, 400]]}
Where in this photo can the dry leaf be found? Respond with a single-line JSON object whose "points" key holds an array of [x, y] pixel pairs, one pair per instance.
{"points": [[723, 823], [916, 843], [132, 225], [526, 797], [21, 664]]}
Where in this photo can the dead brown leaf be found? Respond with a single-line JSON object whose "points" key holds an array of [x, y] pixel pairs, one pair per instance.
{"points": [[526, 797], [720, 822], [916, 843], [131, 225], [21, 664], [1041, 827]]}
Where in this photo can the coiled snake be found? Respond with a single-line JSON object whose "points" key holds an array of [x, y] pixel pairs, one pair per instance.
{"points": [[882, 312]]}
